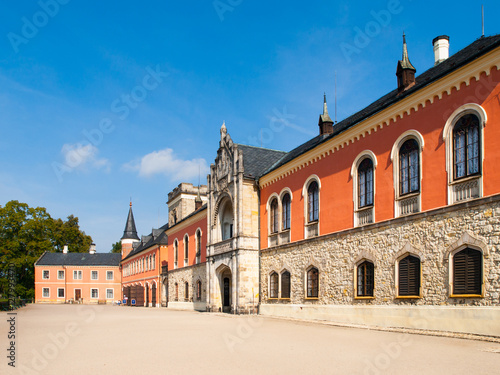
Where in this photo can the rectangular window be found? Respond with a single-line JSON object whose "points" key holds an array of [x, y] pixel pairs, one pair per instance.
{"points": [[94, 293], [60, 275], [109, 293], [95, 275], [60, 292], [46, 274], [77, 275], [46, 292], [109, 275]]}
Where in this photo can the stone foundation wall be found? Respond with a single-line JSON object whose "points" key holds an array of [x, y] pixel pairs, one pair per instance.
{"points": [[191, 275], [430, 235]]}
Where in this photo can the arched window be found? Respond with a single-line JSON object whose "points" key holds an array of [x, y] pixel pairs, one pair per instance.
{"points": [[226, 220], [154, 261], [273, 285], [466, 147], [186, 291], [176, 253], [274, 216], [176, 291], [365, 279], [186, 250], [285, 284], [286, 210], [312, 283], [313, 202], [198, 246], [409, 167], [198, 290], [409, 276], [365, 183], [468, 272]]}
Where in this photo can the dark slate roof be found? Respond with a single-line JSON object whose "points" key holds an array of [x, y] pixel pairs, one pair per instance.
{"points": [[79, 259], [256, 160], [130, 232], [156, 237], [480, 47]]}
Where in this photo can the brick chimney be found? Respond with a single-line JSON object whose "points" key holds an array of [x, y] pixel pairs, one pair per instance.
{"points": [[405, 71]]}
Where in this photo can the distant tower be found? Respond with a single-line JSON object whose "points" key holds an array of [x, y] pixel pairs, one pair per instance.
{"points": [[325, 122], [129, 234], [405, 70]]}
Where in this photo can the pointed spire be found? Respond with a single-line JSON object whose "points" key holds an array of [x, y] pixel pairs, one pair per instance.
{"points": [[130, 232], [325, 122], [405, 70]]}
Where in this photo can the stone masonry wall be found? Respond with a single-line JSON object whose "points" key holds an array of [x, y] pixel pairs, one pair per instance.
{"points": [[430, 235], [190, 274]]}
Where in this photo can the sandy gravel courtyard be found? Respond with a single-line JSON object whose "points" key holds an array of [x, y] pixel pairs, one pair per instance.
{"points": [[79, 339]]}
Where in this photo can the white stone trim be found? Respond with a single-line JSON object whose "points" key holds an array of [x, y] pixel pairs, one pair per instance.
{"points": [[354, 176], [305, 187]]}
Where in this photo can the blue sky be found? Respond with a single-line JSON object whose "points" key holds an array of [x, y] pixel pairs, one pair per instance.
{"points": [[103, 101]]}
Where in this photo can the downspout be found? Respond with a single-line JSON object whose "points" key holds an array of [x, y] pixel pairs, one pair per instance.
{"points": [[258, 213]]}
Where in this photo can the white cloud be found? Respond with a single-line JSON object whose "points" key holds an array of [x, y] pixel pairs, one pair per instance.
{"points": [[166, 162], [79, 156]]}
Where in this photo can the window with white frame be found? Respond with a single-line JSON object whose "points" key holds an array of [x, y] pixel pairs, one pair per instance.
{"points": [[463, 136], [60, 292], [109, 275], [45, 274], [363, 176], [311, 194], [274, 216], [77, 275], [176, 254], [154, 261], [94, 275], [198, 245], [406, 157], [286, 211], [60, 275], [186, 250], [46, 292], [94, 293], [109, 293]]}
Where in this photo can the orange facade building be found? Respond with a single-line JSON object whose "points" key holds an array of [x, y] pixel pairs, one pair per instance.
{"points": [[88, 278]]}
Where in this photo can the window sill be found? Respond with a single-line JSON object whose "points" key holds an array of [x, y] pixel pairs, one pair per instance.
{"points": [[408, 195], [466, 296], [364, 297], [273, 298], [285, 299], [465, 179], [365, 208], [311, 298]]}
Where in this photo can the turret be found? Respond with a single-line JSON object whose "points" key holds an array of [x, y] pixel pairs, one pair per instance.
{"points": [[129, 234]]}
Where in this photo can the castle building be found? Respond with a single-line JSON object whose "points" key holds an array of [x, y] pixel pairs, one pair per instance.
{"points": [[390, 217], [88, 278]]}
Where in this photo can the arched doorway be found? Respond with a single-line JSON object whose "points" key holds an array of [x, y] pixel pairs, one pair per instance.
{"points": [[225, 282], [153, 295], [146, 291]]}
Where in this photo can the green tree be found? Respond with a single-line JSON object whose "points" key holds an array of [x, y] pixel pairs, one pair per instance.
{"points": [[25, 234], [117, 248]]}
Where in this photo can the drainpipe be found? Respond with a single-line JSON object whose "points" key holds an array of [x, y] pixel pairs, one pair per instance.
{"points": [[258, 221]]}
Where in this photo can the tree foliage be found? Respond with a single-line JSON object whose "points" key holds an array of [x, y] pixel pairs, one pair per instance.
{"points": [[25, 234], [117, 248]]}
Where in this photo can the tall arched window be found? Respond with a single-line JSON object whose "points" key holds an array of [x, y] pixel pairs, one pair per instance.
{"points": [[274, 216], [286, 210], [226, 220], [154, 261], [409, 276], [312, 283], [198, 246], [468, 272], [313, 202], [198, 290], [409, 167], [273, 285], [176, 291], [186, 291], [176, 253], [186, 250], [466, 147], [365, 279], [285, 284], [365, 183]]}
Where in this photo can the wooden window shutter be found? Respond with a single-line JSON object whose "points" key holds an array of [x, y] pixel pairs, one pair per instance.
{"points": [[409, 276], [467, 272]]}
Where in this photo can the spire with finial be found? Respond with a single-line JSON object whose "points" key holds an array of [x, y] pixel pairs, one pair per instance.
{"points": [[130, 232], [325, 122], [405, 70]]}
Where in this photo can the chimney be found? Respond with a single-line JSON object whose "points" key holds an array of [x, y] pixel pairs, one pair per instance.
{"points": [[92, 249], [197, 201], [441, 48], [325, 123], [65, 249], [405, 71]]}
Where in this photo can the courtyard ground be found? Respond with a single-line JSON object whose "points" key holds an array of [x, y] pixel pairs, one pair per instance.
{"points": [[82, 339]]}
